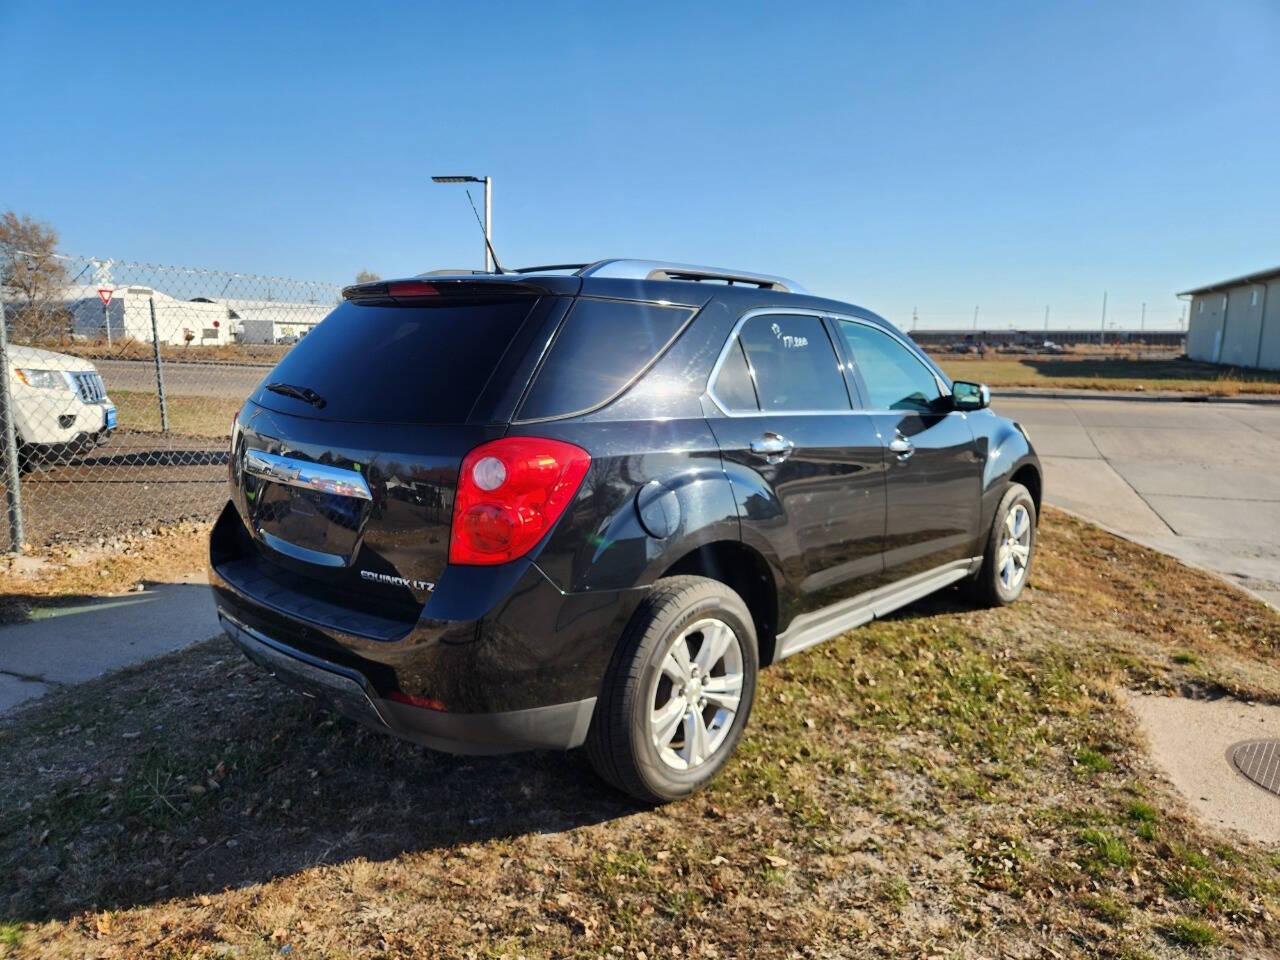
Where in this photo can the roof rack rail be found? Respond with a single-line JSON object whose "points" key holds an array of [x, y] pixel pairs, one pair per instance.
{"points": [[665, 270]]}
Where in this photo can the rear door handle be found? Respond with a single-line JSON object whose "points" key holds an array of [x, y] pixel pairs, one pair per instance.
{"points": [[903, 447], [773, 447]]}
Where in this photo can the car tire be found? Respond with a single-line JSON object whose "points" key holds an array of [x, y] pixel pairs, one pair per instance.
{"points": [[1011, 544], [666, 724]]}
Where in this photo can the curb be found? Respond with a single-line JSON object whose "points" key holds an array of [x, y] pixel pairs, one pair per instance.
{"points": [[1037, 394], [1150, 545]]}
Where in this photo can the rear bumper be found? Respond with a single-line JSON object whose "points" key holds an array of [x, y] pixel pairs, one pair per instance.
{"points": [[558, 726]]}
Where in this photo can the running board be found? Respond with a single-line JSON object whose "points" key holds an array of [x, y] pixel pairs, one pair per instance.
{"points": [[810, 629]]}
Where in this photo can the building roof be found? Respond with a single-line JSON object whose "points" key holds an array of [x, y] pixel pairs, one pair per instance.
{"points": [[1259, 276]]}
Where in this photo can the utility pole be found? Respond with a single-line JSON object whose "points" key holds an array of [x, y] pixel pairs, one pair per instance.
{"points": [[1102, 330]]}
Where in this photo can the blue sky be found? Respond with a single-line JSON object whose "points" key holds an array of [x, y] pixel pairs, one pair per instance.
{"points": [[929, 156]]}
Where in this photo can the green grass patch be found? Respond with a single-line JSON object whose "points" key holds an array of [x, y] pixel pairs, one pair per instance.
{"points": [[1190, 932], [10, 934], [1113, 911], [1186, 658], [1107, 847], [1091, 760], [1143, 812]]}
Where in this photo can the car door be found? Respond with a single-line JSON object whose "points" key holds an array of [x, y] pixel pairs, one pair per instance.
{"points": [[807, 470], [934, 463]]}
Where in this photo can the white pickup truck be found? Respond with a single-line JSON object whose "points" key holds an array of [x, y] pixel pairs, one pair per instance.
{"points": [[60, 405]]}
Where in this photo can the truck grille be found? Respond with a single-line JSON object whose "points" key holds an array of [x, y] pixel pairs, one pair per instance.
{"points": [[89, 386]]}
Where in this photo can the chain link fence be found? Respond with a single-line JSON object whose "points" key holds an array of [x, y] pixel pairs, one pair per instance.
{"points": [[122, 381]]}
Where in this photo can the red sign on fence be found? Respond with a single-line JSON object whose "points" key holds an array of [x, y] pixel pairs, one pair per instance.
{"points": [[104, 294]]}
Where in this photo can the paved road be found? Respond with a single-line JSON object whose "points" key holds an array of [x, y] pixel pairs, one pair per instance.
{"points": [[1200, 481], [182, 379]]}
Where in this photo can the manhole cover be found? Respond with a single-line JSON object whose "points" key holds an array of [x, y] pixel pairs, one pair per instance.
{"points": [[1259, 761]]}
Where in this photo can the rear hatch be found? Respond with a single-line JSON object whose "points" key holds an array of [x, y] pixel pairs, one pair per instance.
{"points": [[345, 459]]}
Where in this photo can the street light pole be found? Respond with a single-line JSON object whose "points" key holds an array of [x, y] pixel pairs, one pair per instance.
{"points": [[488, 223], [489, 265]]}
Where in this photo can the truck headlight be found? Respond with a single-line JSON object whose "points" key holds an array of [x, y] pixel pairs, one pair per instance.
{"points": [[44, 379]]}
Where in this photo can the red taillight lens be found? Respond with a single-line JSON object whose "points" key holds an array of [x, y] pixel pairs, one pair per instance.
{"points": [[411, 288], [503, 509]]}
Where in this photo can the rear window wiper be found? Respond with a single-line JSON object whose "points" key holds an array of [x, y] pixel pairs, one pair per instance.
{"points": [[305, 394]]}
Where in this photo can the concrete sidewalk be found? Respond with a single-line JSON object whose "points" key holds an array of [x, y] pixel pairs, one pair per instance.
{"points": [[66, 645], [1199, 481]]}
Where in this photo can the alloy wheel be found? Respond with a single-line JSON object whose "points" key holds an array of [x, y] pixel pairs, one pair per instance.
{"points": [[1014, 553], [696, 694]]}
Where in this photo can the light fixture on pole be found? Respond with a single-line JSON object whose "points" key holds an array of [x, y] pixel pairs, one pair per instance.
{"points": [[488, 212]]}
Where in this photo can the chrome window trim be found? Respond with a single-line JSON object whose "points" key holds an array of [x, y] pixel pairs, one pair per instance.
{"points": [[306, 474], [943, 387]]}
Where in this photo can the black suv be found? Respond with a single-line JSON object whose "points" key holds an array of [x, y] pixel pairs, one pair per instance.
{"points": [[583, 505]]}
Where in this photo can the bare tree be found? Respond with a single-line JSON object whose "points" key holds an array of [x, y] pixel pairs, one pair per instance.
{"points": [[367, 276], [32, 277]]}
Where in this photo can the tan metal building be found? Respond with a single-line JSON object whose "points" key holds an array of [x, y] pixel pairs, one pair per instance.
{"points": [[1236, 322]]}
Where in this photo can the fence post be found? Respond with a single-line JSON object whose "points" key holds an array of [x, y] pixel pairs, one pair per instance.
{"points": [[12, 492], [155, 352]]}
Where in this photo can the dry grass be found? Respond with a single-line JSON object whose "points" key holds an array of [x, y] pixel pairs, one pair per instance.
{"points": [[189, 416], [67, 574], [948, 782], [252, 354], [1108, 373]]}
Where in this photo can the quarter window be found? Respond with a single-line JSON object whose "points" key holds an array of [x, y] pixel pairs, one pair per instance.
{"points": [[895, 377], [733, 387], [793, 363]]}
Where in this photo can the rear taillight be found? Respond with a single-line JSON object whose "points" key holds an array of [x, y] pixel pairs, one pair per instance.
{"points": [[411, 288], [510, 493]]}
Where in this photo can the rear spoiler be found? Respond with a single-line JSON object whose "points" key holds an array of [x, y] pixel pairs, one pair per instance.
{"points": [[428, 290]]}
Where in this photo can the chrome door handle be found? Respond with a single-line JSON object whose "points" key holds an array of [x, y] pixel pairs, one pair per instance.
{"points": [[903, 447], [773, 447]]}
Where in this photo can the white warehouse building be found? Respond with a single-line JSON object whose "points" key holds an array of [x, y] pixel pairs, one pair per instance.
{"points": [[1237, 321], [267, 321]]}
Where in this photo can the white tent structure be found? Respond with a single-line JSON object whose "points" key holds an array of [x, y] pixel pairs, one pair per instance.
{"points": [[128, 316]]}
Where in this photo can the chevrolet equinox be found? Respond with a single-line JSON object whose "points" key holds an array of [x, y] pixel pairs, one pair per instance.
{"points": [[583, 505]]}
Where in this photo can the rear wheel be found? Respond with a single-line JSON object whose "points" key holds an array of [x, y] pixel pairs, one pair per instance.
{"points": [[678, 693], [1006, 565]]}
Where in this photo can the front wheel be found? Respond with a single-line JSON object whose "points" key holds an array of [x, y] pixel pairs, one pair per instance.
{"points": [[1006, 565], [678, 693]]}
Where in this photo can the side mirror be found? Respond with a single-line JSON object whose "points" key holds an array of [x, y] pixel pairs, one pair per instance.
{"points": [[970, 396]]}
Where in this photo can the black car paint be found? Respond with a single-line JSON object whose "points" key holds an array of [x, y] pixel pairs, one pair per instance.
{"points": [[543, 629]]}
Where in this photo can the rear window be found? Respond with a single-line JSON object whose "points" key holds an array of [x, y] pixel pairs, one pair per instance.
{"points": [[602, 347], [398, 364]]}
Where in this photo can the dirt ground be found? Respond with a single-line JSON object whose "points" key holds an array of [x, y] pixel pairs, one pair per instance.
{"points": [[949, 782]]}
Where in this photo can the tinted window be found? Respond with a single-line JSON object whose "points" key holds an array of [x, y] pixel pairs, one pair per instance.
{"points": [[733, 387], [398, 364], [794, 364], [896, 379], [602, 346]]}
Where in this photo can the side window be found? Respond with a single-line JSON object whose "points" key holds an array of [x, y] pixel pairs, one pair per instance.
{"points": [[895, 377], [794, 364], [733, 387]]}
